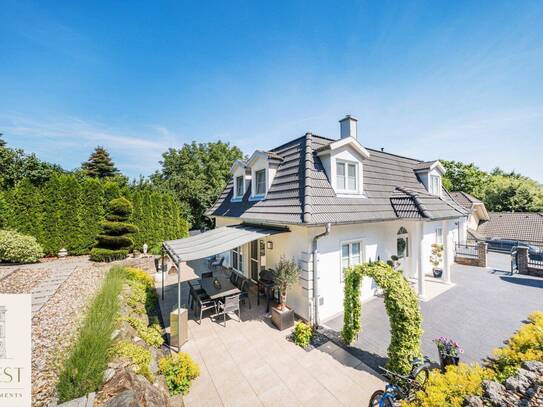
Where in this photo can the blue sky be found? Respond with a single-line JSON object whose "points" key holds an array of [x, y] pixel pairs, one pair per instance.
{"points": [[455, 80]]}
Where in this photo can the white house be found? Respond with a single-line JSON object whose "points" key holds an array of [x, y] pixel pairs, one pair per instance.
{"points": [[332, 204]]}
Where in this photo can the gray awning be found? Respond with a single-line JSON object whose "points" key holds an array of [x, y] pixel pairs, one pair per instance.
{"points": [[217, 241]]}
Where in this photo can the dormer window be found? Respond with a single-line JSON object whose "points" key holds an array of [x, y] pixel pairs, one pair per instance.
{"points": [[240, 187], [260, 182], [435, 184], [346, 176]]}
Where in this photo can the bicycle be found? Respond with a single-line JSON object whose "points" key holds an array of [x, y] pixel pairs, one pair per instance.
{"points": [[402, 387]]}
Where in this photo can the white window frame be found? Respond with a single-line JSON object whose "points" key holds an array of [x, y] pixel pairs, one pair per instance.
{"points": [[404, 236], [347, 163], [361, 255], [439, 235], [238, 253], [433, 187], [239, 194], [255, 183]]}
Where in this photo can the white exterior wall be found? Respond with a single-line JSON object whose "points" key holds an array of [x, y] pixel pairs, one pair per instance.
{"points": [[378, 241]]}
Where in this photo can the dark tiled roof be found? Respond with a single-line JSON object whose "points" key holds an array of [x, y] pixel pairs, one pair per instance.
{"points": [[464, 199], [424, 165], [302, 193], [514, 226]]}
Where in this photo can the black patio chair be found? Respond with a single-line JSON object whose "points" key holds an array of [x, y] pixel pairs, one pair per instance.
{"points": [[217, 264], [204, 305], [234, 277], [230, 304], [207, 274], [244, 295], [195, 290]]}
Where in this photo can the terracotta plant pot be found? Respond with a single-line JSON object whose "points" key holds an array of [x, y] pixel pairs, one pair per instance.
{"points": [[283, 319]]}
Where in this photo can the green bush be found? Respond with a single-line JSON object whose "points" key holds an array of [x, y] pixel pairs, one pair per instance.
{"points": [[118, 228], [121, 208], [107, 255], [451, 388], [138, 355], [402, 307], [152, 334], [179, 371], [83, 369], [525, 345], [114, 242], [302, 334], [19, 248]]}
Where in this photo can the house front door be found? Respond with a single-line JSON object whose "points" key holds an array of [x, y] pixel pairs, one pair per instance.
{"points": [[254, 260]]}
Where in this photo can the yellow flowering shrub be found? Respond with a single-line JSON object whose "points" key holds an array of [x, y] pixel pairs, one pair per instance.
{"points": [[526, 344], [450, 388]]}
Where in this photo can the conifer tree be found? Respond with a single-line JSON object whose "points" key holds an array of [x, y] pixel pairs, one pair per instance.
{"points": [[69, 214], [115, 241], [99, 165], [147, 220], [4, 210], [112, 190], [92, 212], [157, 221], [137, 218], [2, 141], [52, 233], [26, 213]]}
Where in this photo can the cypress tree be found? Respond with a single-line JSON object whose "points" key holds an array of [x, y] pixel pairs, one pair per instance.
{"points": [[168, 219], [137, 218], [4, 210], [26, 213], [147, 219], [69, 214], [115, 241], [157, 221], [92, 212], [52, 232], [99, 165]]}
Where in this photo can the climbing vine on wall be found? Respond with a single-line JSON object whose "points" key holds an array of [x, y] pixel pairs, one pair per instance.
{"points": [[402, 307]]}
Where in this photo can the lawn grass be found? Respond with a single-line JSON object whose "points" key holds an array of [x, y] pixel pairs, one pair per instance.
{"points": [[83, 369]]}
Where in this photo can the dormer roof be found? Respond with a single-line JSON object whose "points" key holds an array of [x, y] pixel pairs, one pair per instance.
{"points": [[427, 166], [269, 155], [347, 141], [238, 164]]}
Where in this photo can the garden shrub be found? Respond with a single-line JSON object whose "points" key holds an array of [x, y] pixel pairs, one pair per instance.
{"points": [[179, 371], [136, 274], [19, 248], [138, 355], [402, 307], [526, 344], [119, 210], [452, 387], [107, 255], [152, 334], [83, 370], [302, 334]]}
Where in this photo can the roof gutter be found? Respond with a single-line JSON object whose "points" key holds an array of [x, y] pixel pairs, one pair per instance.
{"points": [[316, 273]]}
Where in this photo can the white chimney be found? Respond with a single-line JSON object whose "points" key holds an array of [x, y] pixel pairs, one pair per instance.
{"points": [[347, 127]]}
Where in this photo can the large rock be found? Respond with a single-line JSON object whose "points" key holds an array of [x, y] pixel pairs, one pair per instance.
{"points": [[495, 393], [521, 382], [143, 393], [533, 366], [473, 401]]}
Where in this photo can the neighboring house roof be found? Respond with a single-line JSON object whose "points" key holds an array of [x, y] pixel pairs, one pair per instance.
{"points": [[464, 199], [525, 226], [301, 191], [470, 203]]}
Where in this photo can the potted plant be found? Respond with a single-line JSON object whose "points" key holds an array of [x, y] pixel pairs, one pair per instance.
{"points": [[394, 262], [436, 258], [285, 276], [449, 352]]}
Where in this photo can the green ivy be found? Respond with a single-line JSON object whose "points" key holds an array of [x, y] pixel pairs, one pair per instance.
{"points": [[402, 306]]}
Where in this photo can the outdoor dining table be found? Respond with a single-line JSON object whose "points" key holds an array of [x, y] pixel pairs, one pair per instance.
{"points": [[218, 286]]}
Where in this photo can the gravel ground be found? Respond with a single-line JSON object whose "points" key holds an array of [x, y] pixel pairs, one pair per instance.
{"points": [[23, 280], [54, 327]]}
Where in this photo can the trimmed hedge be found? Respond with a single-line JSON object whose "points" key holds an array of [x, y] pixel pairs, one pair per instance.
{"points": [[118, 228], [19, 248], [114, 242], [107, 255], [402, 307]]}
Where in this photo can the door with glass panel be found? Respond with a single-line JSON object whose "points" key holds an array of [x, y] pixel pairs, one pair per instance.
{"points": [[254, 260], [237, 259]]}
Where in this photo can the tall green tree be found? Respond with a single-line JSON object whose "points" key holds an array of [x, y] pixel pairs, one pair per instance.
{"points": [[99, 165], [2, 141], [464, 177], [52, 232], [69, 214], [26, 209], [197, 173], [92, 212], [4, 210], [513, 194]]}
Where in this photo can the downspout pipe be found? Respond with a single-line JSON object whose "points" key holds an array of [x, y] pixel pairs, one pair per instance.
{"points": [[316, 273]]}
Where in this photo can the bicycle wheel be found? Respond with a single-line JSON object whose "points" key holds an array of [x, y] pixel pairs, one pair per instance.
{"points": [[420, 375], [377, 398]]}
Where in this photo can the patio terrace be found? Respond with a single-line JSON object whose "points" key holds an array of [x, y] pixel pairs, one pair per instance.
{"points": [[251, 363]]}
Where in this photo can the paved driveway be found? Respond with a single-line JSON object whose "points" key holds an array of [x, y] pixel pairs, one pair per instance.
{"points": [[485, 307]]}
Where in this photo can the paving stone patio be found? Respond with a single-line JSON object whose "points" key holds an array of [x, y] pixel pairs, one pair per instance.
{"points": [[250, 363]]}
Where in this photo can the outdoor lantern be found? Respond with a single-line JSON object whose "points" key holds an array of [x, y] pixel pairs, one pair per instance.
{"points": [[270, 245]]}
